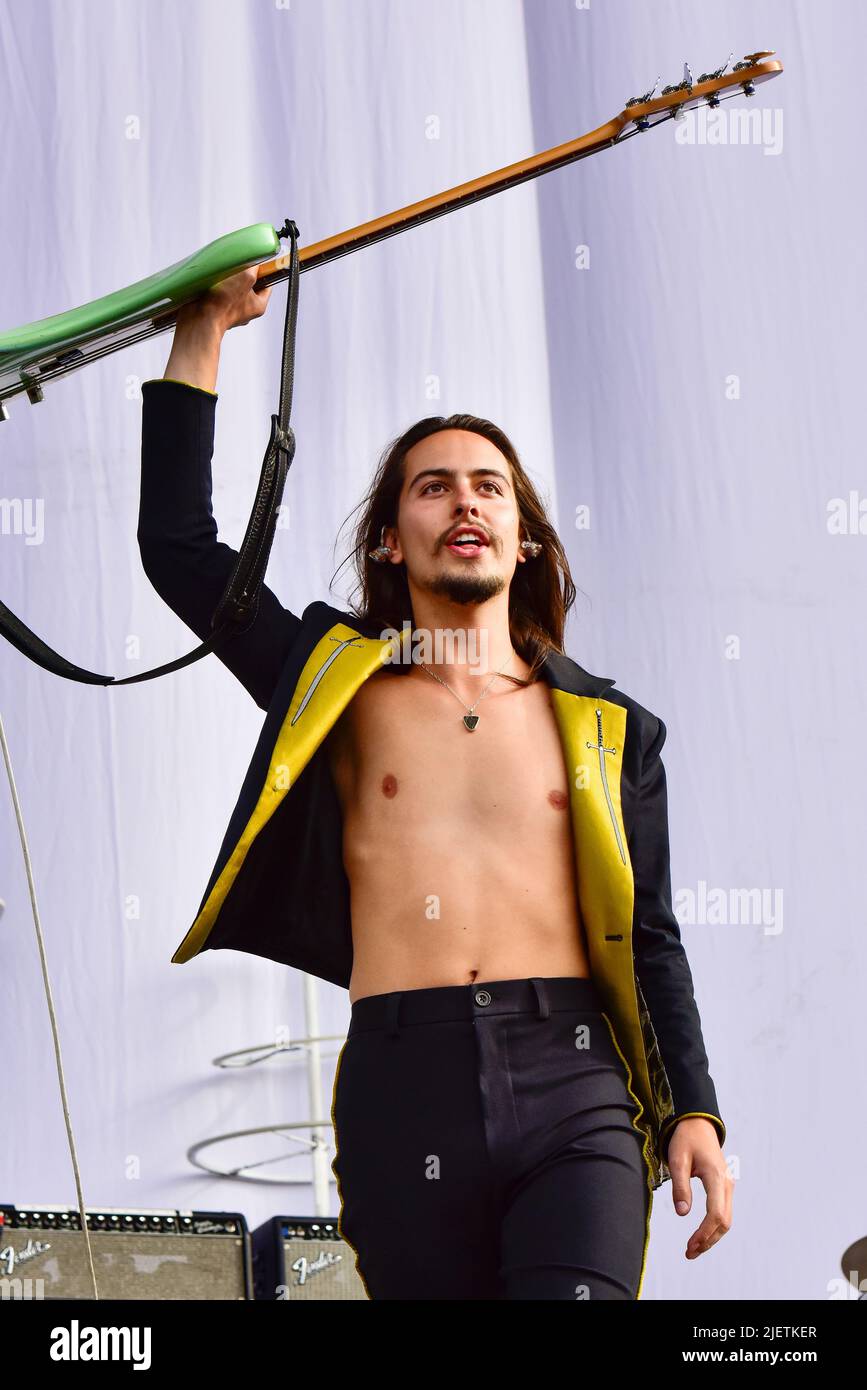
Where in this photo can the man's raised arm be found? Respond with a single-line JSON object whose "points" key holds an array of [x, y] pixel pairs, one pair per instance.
{"points": [[177, 533]]}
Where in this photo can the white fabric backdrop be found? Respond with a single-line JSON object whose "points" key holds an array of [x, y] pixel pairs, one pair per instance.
{"points": [[696, 386]]}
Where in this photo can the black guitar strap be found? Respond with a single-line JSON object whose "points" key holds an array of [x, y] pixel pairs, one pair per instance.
{"points": [[239, 605]]}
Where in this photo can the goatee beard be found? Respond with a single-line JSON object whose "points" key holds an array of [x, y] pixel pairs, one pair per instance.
{"points": [[467, 588]]}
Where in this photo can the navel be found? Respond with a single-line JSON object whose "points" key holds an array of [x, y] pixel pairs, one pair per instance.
{"points": [[389, 785], [559, 800]]}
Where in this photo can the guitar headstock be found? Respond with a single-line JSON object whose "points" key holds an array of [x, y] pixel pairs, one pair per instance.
{"points": [[709, 89]]}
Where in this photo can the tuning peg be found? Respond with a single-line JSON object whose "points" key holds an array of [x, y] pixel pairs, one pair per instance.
{"points": [[646, 96], [750, 59], [684, 85], [711, 76], [4, 413]]}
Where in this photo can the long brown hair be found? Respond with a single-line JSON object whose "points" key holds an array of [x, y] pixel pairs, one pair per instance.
{"points": [[541, 592]]}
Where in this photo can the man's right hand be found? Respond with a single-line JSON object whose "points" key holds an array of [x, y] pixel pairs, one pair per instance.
{"points": [[200, 325], [230, 304]]}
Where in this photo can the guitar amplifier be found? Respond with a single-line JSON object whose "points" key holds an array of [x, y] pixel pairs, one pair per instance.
{"points": [[304, 1257], [136, 1254]]}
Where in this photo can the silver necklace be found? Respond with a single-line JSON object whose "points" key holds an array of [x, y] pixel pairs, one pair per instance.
{"points": [[470, 718]]}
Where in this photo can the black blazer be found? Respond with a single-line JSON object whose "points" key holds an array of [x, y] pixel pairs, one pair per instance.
{"points": [[278, 888]]}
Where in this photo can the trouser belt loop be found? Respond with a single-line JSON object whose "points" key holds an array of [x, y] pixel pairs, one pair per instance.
{"points": [[392, 1015], [542, 997]]}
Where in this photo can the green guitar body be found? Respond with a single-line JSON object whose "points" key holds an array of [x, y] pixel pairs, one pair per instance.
{"points": [[41, 350]]}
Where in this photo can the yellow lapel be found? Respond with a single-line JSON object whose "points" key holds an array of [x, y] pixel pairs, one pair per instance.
{"points": [[338, 665], [593, 733]]}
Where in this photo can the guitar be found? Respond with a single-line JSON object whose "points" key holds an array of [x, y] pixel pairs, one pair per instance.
{"points": [[53, 347]]}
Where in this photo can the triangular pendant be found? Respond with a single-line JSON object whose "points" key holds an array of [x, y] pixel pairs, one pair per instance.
{"points": [[471, 720]]}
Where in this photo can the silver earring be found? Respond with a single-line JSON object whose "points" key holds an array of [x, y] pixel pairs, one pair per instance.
{"points": [[531, 548], [382, 551]]}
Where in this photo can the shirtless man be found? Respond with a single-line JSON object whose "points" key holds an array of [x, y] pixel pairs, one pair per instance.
{"points": [[452, 811], [496, 1141]]}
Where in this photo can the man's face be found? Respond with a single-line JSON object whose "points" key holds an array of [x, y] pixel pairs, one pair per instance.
{"points": [[457, 481]]}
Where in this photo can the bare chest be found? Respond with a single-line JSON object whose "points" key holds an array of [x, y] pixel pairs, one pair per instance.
{"points": [[401, 749]]}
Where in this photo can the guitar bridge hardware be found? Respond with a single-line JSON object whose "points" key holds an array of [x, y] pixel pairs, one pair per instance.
{"points": [[67, 359], [33, 388]]}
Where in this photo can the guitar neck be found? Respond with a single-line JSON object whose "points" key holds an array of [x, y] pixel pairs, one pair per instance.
{"points": [[414, 214], [54, 347], [641, 116]]}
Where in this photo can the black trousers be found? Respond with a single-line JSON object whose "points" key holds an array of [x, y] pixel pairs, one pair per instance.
{"points": [[486, 1145]]}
